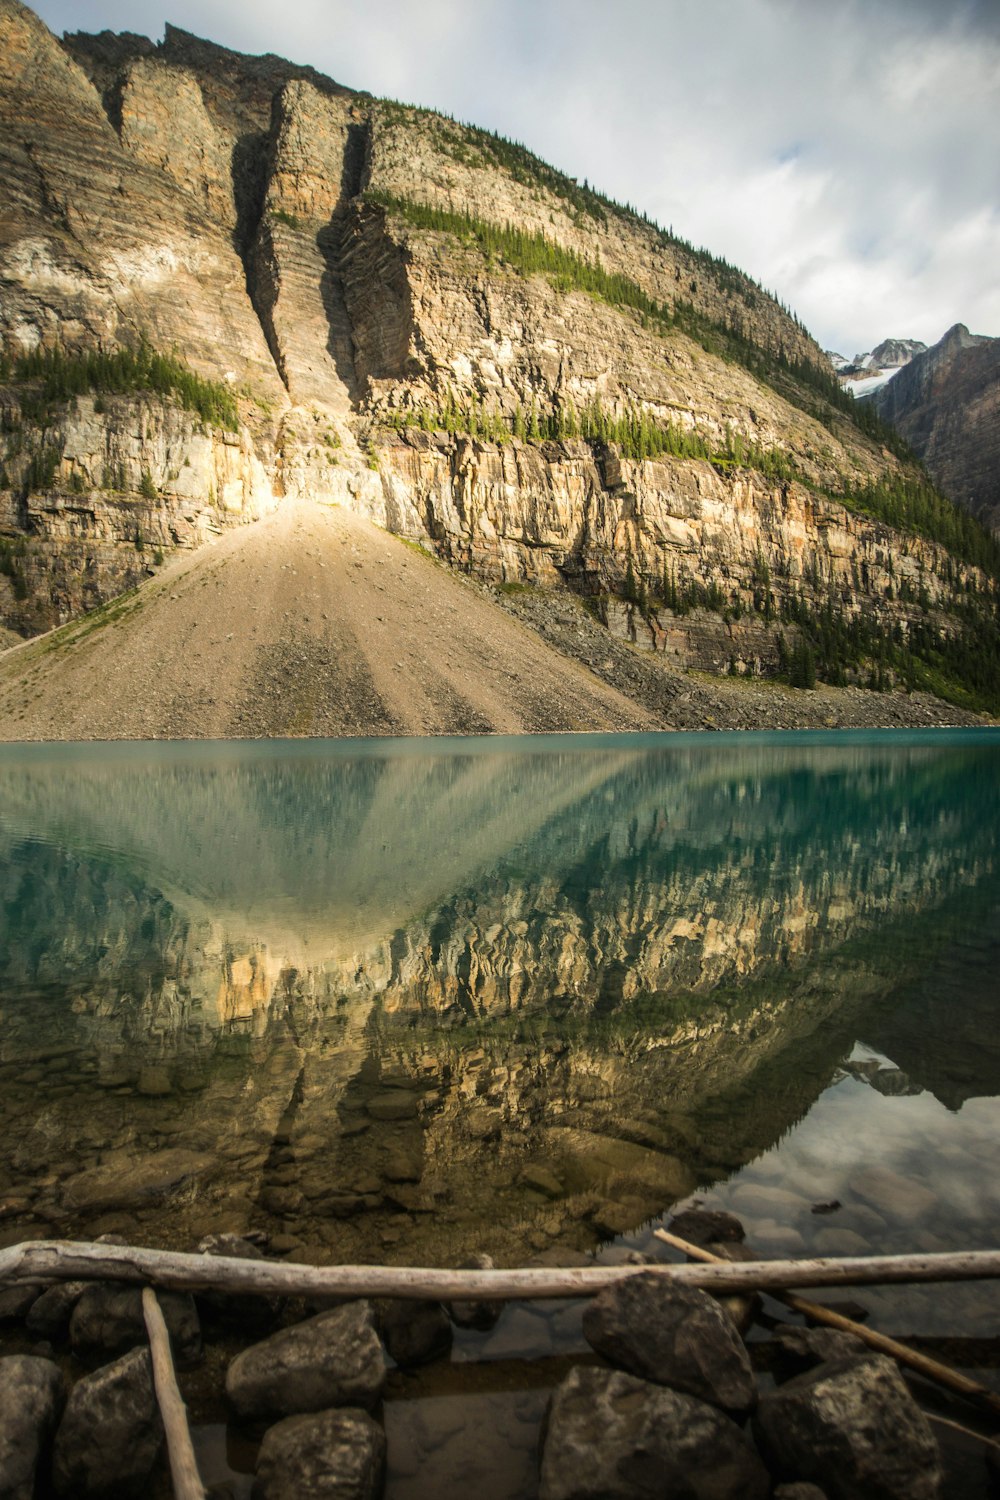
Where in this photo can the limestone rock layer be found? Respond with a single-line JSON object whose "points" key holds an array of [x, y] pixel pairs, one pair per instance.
{"points": [[405, 313]]}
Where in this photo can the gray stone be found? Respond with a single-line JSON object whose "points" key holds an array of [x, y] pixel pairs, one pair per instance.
{"points": [[481, 1315], [50, 1313], [799, 1492], [851, 1425], [110, 1435], [334, 1359], [675, 1335], [31, 1395], [108, 1319], [610, 1436], [339, 1454], [415, 1332]]}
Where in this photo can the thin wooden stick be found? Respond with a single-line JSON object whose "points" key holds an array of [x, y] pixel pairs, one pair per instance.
{"points": [[817, 1313], [68, 1260], [183, 1468], [969, 1432]]}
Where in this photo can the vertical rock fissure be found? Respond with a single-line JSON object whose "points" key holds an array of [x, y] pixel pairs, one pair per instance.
{"points": [[251, 166], [331, 242]]}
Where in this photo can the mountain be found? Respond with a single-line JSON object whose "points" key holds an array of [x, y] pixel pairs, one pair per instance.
{"points": [[946, 404], [891, 354], [867, 373], [230, 285]]}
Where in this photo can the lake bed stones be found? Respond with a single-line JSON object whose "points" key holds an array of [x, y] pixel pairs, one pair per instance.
{"points": [[851, 1426], [32, 1392], [333, 1359], [610, 1436], [110, 1435], [338, 1453], [675, 1335]]}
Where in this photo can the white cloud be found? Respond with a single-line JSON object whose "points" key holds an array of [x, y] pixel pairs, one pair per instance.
{"points": [[845, 154]]}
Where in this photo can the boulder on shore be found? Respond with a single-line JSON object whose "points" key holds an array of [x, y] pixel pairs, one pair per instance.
{"points": [[675, 1335], [613, 1437], [334, 1359], [110, 1434], [31, 1395], [851, 1426]]}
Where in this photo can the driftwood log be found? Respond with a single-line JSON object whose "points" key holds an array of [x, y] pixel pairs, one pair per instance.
{"points": [[180, 1450], [932, 1369], [69, 1260]]}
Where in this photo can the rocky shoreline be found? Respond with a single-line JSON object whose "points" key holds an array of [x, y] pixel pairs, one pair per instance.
{"points": [[682, 1395]]}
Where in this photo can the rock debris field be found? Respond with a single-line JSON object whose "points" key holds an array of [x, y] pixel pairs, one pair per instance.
{"points": [[315, 622]]}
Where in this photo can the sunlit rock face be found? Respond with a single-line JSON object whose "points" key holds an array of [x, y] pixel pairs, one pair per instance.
{"points": [[380, 995], [227, 207]]}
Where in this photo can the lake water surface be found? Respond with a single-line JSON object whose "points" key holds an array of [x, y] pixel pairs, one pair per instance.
{"points": [[403, 1000]]}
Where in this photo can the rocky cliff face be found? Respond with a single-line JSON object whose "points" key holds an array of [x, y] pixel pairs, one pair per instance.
{"points": [[946, 404], [386, 295]]}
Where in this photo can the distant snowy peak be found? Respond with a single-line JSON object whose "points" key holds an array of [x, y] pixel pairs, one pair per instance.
{"points": [[889, 356], [892, 353]]}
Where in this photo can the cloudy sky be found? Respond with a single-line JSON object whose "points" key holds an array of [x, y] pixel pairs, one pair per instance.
{"points": [[846, 153]]}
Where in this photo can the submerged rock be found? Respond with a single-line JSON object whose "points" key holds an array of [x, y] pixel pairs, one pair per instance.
{"points": [[613, 1437], [126, 1181], [334, 1359], [852, 1426], [705, 1226], [415, 1332], [31, 1395], [340, 1454], [888, 1192], [481, 1315], [110, 1434], [675, 1335]]}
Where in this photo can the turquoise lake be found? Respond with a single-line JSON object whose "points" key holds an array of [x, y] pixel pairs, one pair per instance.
{"points": [[405, 1000]]}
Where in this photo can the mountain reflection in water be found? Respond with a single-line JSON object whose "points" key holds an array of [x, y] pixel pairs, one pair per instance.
{"points": [[401, 1000]]}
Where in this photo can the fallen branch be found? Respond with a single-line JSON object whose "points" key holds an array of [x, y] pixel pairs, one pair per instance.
{"points": [[989, 1443], [68, 1260], [817, 1313], [183, 1468]]}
